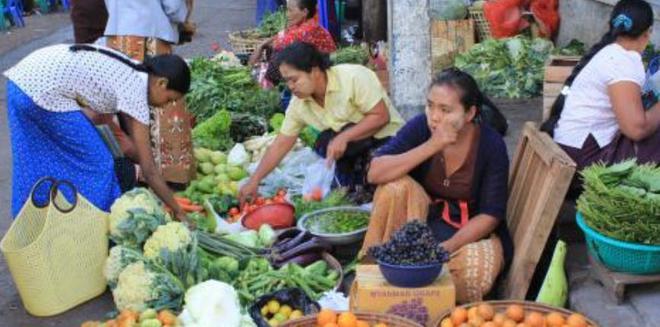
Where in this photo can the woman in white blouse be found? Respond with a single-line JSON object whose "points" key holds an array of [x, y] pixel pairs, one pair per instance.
{"points": [[51, 136], [600, 116]]}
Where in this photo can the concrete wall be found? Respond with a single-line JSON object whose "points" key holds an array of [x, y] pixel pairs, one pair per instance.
{"points": [[409, 35], [586, 20]]}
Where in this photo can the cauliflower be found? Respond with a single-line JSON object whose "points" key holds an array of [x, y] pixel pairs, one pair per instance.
{"points": [[120, 257], [175, 247], [209, 303], [141, 286], [134, 216]]}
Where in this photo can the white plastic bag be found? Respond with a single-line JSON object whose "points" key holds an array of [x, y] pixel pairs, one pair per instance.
{"points": [[290, 174], [318, 179]]}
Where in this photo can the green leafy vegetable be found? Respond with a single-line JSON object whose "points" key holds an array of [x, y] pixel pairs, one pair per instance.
{"points": [[573, 48], [214, 133], [337, 222], [508, 68], [272, 23], [354, 54], [622, 201]]}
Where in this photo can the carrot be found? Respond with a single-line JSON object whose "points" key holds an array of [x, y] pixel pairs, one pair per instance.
{"points": [[167, 318], [182, 200], [191, 207]]}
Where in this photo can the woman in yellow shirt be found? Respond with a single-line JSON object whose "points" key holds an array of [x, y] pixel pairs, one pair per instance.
{"points": [[346, 102]]}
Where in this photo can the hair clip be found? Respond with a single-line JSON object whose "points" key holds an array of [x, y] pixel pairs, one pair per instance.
{"points": [[623, 20], [565, 90]]}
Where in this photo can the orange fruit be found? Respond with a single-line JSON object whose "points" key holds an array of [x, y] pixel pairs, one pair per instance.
{"points": [[330, 324], [576, 320], [446, 323], [490, 324], [499, 318], [486, 311], [347, 319], [555, 319], [515, 312], [522, 324], [381, 325], [325, 317], [473, 312], [476, 321], [459, 316], [361, 323], [509, 323], [535, 319]]}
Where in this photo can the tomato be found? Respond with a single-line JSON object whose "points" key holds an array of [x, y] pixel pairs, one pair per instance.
{"points": [[234, 211], [317, 194], [259, 201], [281, 192], [253, 207], [279, 199], [269, 201]]}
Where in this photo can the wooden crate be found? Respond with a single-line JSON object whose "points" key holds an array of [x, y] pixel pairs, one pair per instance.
{"points": [[557, 71], [541, 173], [449, 38]]}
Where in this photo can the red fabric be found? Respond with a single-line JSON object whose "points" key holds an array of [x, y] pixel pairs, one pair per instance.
{"points": [[505, 17], [309, 32], [546, 13]]}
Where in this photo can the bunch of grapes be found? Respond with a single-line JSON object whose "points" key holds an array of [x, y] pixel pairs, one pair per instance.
{"points": [[412, 245], [413, 310]]}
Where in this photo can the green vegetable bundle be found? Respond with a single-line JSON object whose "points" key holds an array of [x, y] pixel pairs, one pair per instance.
{"points": [[336, 198], [508, 68], [622, 201], [354, 54], [215, 88], [272, 23]]}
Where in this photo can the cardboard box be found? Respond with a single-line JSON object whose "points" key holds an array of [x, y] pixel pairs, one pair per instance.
{"points": [[370, 292]]}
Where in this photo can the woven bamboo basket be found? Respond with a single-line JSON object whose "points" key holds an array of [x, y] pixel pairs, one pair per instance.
{"points": [[245, 42], [500, 307], [369, 317], [483, 27]]}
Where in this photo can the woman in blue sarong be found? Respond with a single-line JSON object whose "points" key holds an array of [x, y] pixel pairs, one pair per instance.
{"points": [[51, 136]]}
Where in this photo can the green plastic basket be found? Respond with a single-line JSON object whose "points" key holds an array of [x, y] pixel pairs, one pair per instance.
{"points": [[631, 258]]}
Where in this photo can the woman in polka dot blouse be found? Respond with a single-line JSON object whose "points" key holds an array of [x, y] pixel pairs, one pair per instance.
{"points": [[51, 136]]}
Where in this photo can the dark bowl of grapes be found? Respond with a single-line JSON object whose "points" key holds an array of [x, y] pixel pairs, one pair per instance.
{"points": [[412, 257], [410, 276]]}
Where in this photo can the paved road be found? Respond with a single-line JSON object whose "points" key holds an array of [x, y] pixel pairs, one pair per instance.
{"points": [[214, 18]]}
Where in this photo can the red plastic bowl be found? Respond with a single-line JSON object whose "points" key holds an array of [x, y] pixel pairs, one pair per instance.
{"points": [[277, 215]]}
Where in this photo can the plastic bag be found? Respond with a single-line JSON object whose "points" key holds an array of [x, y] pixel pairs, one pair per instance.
{"points": [[505, 17], [318, 180], [651, 90], [293, 297], [290, 174]]}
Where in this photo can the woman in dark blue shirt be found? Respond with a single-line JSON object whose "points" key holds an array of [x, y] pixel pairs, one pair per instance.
{"points": [[445, 167]]}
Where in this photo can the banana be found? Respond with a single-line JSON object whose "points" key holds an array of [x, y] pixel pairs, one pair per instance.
{"points": [[554, 290]]}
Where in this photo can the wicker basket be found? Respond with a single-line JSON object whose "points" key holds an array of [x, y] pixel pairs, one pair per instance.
{"points": [[483, 27], [371, 318], [245, 42], [500, 306]]}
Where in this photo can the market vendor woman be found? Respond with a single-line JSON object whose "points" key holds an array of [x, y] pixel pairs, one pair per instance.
{"points": [[50, 135], [446, 168], [600, 116], [346, 103]]}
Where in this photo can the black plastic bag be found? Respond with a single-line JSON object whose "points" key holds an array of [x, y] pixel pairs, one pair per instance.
{"points": [[492, 116], [294, 297]]}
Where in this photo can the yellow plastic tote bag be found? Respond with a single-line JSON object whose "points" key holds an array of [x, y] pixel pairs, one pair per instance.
{"points": [[56, 250]]}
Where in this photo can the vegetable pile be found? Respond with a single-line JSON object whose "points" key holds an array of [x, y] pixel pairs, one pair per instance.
{"points": [[277, 313], [622, 201], [216, 88], [337, 222], [412, 245], [215, 176], [147, 318], [272, 23], [507, 68], [353, 54], [484, 314]]}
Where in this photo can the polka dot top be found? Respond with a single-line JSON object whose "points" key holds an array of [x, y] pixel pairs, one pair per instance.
{"points": [[60, 80]]}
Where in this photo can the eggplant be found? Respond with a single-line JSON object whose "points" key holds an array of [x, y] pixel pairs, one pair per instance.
{"points": [[312, 245], [302, 260], [287, 234], [299, 239]]}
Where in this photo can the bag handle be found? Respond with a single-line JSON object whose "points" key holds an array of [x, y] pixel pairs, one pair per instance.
{"points": [[37, 185], [53, 193]]}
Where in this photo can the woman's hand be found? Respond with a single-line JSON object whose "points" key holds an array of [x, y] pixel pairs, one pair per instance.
{"points": [[443, 135], [255, 57], [336, 148], [248, 191]]}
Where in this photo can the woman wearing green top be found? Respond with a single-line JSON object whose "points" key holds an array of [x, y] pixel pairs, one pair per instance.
{"points": [[346, 102]]}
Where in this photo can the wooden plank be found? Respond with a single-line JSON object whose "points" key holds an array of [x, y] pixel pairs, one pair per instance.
{"points": [[552, 89], [615, 283], [540, 176], [557, 74], [449, 38]]}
